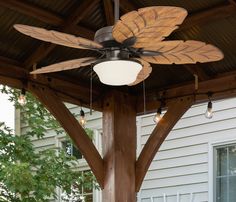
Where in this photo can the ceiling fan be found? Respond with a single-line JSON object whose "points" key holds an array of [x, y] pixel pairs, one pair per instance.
{"points": [[128, 47]]}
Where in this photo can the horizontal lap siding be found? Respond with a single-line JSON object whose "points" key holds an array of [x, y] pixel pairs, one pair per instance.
{"points": [[181, 165], [50, 139]]}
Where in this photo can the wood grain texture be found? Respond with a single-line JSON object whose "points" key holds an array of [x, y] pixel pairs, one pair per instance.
{"points": [[119, 148], [73, 19], [71, 125], [56, 37], [183, 52], [46, 16], [144, 73], [66, 65], [148, 25], [159, 134]]}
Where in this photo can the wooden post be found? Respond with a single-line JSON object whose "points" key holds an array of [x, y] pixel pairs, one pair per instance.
{"points": [[119, 148]]}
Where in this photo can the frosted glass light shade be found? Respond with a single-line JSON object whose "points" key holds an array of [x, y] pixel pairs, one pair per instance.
{"points": [[117, 72]]}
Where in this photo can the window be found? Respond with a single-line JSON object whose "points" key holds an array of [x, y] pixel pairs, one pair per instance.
{"points": [[225, 173], [82, 192], [71, 149]]}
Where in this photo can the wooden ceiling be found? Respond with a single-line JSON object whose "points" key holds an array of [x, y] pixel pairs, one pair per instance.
{"points": [[212, 21]]}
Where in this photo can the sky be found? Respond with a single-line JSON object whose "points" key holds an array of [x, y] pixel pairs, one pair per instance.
{"points": [[7, 111]]}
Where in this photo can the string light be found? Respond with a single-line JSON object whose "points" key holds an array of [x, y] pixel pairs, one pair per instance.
{"points": [[22, 98], [82, 119], [209, 111], [157, 117]]}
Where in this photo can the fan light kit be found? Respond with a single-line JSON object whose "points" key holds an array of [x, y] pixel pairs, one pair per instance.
{"points": [[117, 72], [128, 47]]}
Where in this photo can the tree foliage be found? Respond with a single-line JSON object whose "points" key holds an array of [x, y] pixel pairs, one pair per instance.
{"points": [[29, 175]]}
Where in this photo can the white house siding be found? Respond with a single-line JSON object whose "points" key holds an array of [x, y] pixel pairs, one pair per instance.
{"points": [[50, 140], [179, 171]]}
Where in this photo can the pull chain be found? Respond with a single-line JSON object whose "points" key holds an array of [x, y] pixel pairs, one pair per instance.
{"points": [[144, 98], [91, 91]]}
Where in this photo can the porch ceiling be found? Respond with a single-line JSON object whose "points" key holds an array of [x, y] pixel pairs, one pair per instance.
{"points": [[212, 21]]}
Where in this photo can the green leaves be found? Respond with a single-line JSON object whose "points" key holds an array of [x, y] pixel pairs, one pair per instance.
{"points": [[28, 175]]}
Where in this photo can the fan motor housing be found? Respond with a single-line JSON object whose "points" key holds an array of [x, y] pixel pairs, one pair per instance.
{"points": [[104, 36]]}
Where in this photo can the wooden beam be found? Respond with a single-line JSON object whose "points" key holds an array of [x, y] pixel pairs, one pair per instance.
{"points": [[44, 16], [13, 75], [109, 12], [197, 70], [67, 120], [222, 87], [159, 134], [199, 18], [45, 48], [207, 16], [233, 2], [119, 148], [127, 6], [33, 11], [11, 68]]}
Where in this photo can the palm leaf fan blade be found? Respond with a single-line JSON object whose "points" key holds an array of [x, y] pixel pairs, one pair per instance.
{"points": [[66, 65], [56, 37]]}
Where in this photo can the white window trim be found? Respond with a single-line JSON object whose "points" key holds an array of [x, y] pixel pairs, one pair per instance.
{"points": [[83, 165], [211, 146]]}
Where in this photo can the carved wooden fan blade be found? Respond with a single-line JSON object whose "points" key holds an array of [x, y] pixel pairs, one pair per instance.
{"points": [[149, 25], [144, 73], [66, 65], [184, 52], [57, 37]]}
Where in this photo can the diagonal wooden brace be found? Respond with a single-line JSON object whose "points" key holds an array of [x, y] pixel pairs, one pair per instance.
{"points": [[159, 134], [57, 108]]}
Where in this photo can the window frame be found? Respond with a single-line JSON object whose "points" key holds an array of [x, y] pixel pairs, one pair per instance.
{"points": [[83, 165], [211, 167]]}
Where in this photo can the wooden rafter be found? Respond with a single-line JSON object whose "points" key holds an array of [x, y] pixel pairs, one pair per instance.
{"points": [[109, 11], [159, 134], [67, 120], [13, 75], [222, 87], [44, 48], [210, 15], [44, 16], [197, 70], [127, 6], [199, 18], [195, 19], [233, 2]]}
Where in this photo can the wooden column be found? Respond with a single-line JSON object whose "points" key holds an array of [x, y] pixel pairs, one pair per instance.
{"points": [[119, 148]]}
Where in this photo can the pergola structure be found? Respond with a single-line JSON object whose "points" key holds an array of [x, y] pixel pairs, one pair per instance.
{"points": [[119, 172]]}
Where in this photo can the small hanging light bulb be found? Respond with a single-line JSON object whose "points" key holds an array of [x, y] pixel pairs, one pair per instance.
{"points": [[209, 111], [157, 116], [22, 98], [82, 119]]}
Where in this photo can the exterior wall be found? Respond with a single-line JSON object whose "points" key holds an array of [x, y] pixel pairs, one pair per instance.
{"points": [[181, 170], [51, 140], [183, 166]]}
